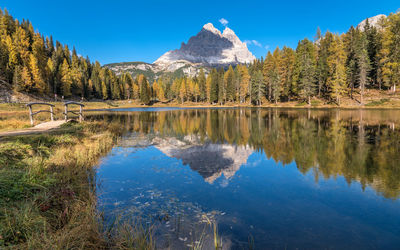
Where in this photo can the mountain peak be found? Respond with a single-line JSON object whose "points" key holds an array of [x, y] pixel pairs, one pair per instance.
{"points": [[228, 31], [373, 21], [210, 27], [210, 48]]}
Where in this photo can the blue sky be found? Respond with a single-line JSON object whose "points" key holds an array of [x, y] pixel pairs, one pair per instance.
{"points": [[116, 31]]}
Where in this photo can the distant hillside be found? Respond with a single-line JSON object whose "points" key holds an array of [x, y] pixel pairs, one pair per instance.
{"points": [[154, 71]]}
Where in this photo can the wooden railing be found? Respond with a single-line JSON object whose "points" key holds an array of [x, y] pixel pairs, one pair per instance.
{"points": [[80, 110], [31, 113]]}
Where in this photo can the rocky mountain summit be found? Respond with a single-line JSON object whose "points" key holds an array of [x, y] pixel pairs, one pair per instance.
{"points": [[373, 21], [210, 47], [210, 160]]}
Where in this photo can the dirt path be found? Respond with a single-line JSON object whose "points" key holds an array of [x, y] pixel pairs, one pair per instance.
{"points": [[40, 128]]}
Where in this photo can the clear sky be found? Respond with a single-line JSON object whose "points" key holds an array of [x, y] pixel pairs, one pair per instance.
{"points": [[121, 31]]}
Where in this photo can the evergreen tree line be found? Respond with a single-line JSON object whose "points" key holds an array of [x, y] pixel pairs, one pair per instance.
{"points": [[330, 67], [31, 63]]}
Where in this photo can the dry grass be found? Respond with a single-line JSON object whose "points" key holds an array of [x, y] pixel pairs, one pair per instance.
{"points": [[47, 190]]}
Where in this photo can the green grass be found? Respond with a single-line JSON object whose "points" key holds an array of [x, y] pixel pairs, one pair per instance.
{"points": [[301, 104], [378, 102], [315, 103]]}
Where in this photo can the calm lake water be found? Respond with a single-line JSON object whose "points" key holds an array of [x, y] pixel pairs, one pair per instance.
{"points": [[268, 178]]}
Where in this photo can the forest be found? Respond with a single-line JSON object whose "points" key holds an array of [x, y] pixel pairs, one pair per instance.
{"points": [[330, 67]]}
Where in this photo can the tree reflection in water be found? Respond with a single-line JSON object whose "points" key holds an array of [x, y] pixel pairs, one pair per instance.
{"points": [[360, 145]]}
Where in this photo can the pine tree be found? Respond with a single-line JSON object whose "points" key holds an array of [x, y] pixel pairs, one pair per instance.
{"points": [[66, 79], [286, 69], [336, 81], [26, 79], [190, 89], [244, 83], [20, 42], [156, 90], [221, 86], [38, 83], [49, 75], [202, 85], [257, 87], [305, 69], [373, 47], [363, 65], [161, 92], [272, 74], [390, 52], [144, 89], [229, 83], [182, 91], [322, 68], [350, 41], [214, 80], [197, 92]]}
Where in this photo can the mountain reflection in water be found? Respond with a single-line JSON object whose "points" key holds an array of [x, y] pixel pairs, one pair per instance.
{"points": [[235, 149]]}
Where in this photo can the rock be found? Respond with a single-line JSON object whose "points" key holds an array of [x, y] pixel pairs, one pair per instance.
{"points": [[373, 21], [209, 47]]}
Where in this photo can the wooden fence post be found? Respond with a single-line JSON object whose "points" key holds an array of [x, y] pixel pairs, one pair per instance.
{"points": [[80, 114], [51, 113], [66, 112], [30, 114]]}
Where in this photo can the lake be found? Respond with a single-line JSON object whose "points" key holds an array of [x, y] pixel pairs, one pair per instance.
{"points": [[256, 178]]}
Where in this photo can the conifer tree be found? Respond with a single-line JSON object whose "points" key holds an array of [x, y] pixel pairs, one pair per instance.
{"points": [[214, 86], [144, 89], [161, 93], [182, 91], [156, 90], [305, 69], [38, 83], [202, 85], [363, 65], [197, 92], [336, 81], [322, 68], [221, 86], [229, 83], [244, 82], [208, 88], [257, 87], [66, 79], [286, 71], [373, 47], [390, 52]]}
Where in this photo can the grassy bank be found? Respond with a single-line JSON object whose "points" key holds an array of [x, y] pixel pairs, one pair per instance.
{"points": [[47, 185], [15, 115], [372, 98]]}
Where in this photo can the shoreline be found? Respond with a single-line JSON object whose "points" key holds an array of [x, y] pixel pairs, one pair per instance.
{"points": [[13, 108]]}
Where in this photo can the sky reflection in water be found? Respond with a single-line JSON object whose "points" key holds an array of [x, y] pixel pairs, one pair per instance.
{"points": [[338, 188]]}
